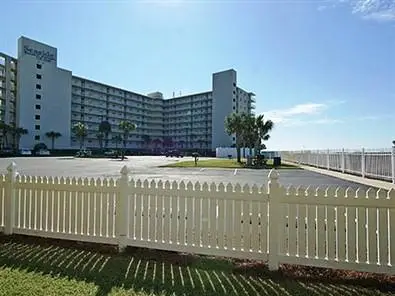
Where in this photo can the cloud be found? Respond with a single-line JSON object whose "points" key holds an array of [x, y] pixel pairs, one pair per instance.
{"points": [[377, 10], [302, 114], [283, 115], [316, 114]]}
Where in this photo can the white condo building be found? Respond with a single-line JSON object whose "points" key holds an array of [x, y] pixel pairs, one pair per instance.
{"points": [[37, 95]]}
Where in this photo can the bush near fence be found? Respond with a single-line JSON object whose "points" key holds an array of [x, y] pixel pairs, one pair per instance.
{"points": [[324, 227]]}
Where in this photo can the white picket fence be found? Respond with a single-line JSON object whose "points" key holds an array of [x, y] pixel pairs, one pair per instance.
{"points": [[376, 164], [328, 227]]}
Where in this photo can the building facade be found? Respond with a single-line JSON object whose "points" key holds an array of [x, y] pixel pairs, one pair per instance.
{"points": [[41, 97]]}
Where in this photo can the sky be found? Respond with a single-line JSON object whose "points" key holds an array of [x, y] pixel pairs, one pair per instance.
{"points": [[322, 71]]}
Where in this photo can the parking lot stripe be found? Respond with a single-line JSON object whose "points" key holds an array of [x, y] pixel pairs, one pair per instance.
{"points": [[235, 172]]}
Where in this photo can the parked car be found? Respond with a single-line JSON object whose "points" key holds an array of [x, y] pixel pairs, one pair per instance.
{"points": [[84, 153], [174, 153], [110, 153], [25, 151], [43, 152]]}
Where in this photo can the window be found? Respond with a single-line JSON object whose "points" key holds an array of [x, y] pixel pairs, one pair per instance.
{"points": [[37, 127], [38, 107], [37, 117], [38, 86], [37, 138], [38, 76], [38, 97], [38, 66]]}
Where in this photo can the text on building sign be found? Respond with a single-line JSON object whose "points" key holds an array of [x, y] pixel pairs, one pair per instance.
{"points": [[41, 55]]}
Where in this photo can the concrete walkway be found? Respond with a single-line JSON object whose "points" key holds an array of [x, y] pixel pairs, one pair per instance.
{"points": [[351, 178]]}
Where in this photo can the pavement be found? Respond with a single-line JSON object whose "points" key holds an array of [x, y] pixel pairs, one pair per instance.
{"points": [[147, 167]]}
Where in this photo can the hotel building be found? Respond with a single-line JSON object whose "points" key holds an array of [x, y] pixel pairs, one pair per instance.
{"points": [[37, 95]]}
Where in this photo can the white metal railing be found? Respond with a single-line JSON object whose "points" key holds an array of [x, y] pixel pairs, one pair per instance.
{"points": [[331, 227], [377, 164]]}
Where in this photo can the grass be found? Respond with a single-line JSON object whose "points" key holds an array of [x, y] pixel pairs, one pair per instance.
{"points": [[42, 268], [222, 163]]}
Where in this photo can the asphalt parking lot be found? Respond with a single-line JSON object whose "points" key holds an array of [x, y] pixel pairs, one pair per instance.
{"points": [[146, 167]]}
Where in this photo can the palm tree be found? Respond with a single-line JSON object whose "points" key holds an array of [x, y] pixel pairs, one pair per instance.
{"points": [[104, 129], [5, 129], [53, 136], [234, 125], [18, 132], [263, 129], [117, 139], [80, 131], [127, 127], [251, 132]]}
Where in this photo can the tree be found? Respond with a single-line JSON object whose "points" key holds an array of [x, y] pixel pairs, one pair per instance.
{"points": [[263, 128], [393, 143], [39, 146], [80, 131], [250, 131], [117, 139], [18, 132], [53, 136], [104, 129], [127, 127], [146, 139], [5, 130], [234, 125]]}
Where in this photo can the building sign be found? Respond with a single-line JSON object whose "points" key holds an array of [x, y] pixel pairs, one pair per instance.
{"points": [[41, 55]]}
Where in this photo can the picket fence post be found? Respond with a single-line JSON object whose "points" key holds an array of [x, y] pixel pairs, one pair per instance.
{"points": [[9, 202], [121, 213], [274, 193], [393, 165], [363, 163]]}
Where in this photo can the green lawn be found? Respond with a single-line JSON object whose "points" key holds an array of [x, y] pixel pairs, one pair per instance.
{"points": [[220, 163], [54, 269]]}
